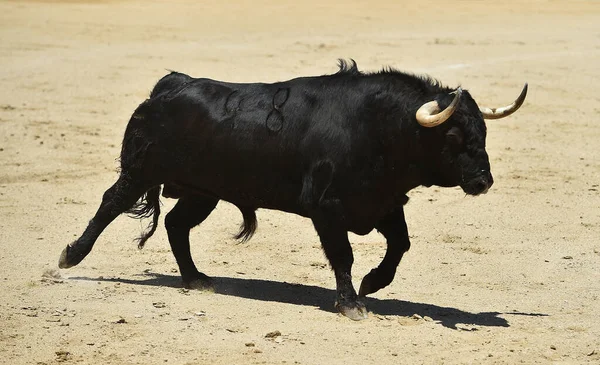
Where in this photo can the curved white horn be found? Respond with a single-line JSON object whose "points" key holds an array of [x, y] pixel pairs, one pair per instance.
{"points": [[497, 113], [429, 114]]}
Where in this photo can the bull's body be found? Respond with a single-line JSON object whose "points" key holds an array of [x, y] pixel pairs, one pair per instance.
{"points": [[289, 146], [342, 150]]}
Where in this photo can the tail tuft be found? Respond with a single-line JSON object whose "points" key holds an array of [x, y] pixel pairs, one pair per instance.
{"points": [[148, 205], [248, 227]]}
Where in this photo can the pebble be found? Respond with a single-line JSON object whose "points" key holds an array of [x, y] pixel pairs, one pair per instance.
{"points": [[273, 334], [159, 304], [466, 327], [250, 344], [62, 355]]}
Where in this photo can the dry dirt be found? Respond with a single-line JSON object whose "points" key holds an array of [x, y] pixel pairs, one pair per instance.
{"points": [[509, 277]]}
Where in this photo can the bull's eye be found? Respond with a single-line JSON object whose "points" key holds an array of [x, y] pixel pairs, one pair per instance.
{"points": [[455, 138]]}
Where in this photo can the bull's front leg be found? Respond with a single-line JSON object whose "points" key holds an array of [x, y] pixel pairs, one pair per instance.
{"points": [[334, 240], [393, 227]]}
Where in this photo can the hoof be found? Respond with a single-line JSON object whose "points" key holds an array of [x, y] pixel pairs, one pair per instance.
{"points": [[355, 311], [203, 283], [374, 281], [73, 254], [365, 287], [63, 260]]}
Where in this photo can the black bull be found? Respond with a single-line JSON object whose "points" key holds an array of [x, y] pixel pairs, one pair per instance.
{"points": [[341, 149]]}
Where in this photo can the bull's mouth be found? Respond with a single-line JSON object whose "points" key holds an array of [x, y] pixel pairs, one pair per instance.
{"points": [[477, 186]]}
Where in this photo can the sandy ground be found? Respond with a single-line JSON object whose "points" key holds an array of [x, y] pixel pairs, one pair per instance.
{"points": [[510, 277]]}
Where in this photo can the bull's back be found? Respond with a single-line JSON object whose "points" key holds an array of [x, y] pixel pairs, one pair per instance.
{"points": [[234, 141], [250, 144]]}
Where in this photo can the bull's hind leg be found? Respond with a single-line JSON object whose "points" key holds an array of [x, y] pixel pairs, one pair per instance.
{"points": [[336, 245], [393, 227], [117, 199], [189, 212]]}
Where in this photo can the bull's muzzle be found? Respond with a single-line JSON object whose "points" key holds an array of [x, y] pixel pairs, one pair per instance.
{"points": [[480, 184]]}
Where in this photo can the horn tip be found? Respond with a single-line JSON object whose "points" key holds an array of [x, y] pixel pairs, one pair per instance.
{"points": [[524, 92]]}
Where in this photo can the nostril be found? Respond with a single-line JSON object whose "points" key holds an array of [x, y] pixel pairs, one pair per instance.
{"points": [[482, 185], [487, 178]]}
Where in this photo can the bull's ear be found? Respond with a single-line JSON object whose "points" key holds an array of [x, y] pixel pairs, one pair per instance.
{"points": [[455, 137]]}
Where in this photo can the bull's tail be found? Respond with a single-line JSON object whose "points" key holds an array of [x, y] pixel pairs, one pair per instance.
{"points": [[148, 205], [248, 227]]}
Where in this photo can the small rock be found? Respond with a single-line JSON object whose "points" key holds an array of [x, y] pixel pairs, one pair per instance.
{"points": [[592, 353], [278, 340], [200, 313], [62, 355], [466, 327], [257, 351], [416, 316], [273, 334], [568, 257], [250, 344], [553, 347], [428, 319], [120, 320], [159, 304]]}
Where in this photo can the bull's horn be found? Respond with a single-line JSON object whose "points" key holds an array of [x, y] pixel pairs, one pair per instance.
{"points": [[429, 114], [497, 113]]}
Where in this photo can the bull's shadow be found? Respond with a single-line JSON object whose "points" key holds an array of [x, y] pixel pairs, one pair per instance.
{"points": [[310, 295]]}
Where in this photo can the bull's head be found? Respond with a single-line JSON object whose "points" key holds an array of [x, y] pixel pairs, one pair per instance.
{"points": [[459, 156]]}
